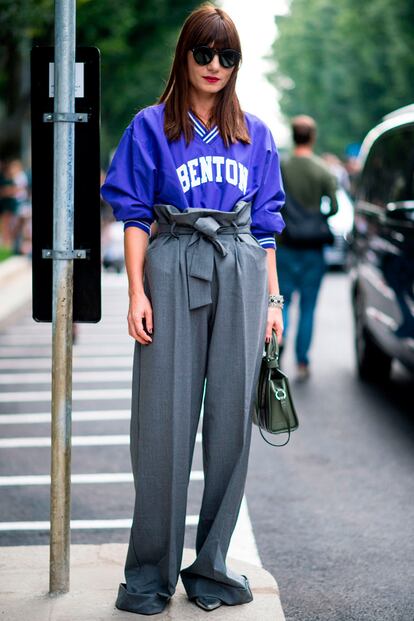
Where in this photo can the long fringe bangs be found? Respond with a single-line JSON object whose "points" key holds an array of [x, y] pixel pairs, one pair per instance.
{"points": [[214, 29]]}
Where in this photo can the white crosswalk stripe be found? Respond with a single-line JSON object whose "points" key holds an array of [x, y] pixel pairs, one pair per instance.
{"points": [[45, 441], [191, 520], [81, 395], [78, 377], [84, 416], [79, 350], [120, 337], [96, 478], [78, 363]]}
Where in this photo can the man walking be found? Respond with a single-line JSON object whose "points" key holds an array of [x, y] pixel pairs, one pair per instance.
{"points": [[301, 264]]}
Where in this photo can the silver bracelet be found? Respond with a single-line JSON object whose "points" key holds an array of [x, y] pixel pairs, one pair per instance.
{"points": [[276, 301]]}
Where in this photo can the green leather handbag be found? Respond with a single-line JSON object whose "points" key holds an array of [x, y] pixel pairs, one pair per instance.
{"points": [[274, 409]]}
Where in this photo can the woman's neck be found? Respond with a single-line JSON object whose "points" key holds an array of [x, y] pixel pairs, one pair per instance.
{"points": [[203, 106]]}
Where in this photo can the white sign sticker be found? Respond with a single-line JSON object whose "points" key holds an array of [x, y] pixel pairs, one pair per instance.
{"points": [[79, 79]]}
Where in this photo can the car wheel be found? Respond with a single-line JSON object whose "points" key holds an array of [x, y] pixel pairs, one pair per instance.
{"points": [[373, 364]]}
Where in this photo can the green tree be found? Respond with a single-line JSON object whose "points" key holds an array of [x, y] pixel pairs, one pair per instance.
{"points": [[346, 64], [22, 21], [136, 39]]}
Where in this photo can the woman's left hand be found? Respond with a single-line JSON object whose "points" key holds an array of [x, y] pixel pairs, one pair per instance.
{"points": [[274, 322]]}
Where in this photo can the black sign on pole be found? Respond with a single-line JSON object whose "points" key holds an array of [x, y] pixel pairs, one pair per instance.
{"points": [[87, 218]]}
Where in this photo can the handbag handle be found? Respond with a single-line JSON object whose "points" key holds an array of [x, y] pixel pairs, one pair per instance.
{"points": [[272, 352], [272, 360]]}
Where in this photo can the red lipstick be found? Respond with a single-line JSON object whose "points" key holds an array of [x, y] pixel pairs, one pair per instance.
{"points": [[210, 79]]}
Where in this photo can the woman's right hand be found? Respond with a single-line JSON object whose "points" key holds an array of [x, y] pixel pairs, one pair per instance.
{"points": [[140, 309]]}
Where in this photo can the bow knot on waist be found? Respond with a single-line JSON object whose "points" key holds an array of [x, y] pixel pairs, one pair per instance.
{"points": [[207, 227], [205, 231]]}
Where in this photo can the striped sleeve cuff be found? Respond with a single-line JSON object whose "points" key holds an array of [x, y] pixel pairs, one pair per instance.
{"points": [[140, 224], [266, 242]]}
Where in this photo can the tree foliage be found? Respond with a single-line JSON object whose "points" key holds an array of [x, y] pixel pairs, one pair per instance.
{"points": [[345, 63], [136, 39]]}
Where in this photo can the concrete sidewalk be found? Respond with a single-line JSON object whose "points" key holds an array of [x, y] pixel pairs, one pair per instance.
{"points": [[96, 571], [15, 286]]}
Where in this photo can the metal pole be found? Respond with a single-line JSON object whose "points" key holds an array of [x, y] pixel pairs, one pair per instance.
{"points": [[63, 177]]}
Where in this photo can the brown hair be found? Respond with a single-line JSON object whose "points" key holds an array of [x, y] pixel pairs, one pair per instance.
{"points": [[205, 26], [303, 129]]}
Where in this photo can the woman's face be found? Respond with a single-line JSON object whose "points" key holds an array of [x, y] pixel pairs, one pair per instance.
{"points": [[207, 79]]}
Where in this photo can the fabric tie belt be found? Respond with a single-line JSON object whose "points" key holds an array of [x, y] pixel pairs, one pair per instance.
{"points": [[205, 231]]}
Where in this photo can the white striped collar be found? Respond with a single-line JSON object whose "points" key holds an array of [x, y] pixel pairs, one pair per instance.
{"points": [[206, 136]]}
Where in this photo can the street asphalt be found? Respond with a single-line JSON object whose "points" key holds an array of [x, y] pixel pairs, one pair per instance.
{"points": [[333, 511]]}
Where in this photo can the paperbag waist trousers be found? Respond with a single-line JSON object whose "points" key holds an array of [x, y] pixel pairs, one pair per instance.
{"points": [[206, 278]]}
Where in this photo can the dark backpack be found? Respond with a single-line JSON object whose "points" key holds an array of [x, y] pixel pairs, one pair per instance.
{"points": [[304, 228]]}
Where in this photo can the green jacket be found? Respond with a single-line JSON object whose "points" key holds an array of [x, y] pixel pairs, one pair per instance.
{"points": [[307, 180]]}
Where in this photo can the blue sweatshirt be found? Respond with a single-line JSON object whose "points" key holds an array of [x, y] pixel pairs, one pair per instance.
{"points": [[148, 169]]}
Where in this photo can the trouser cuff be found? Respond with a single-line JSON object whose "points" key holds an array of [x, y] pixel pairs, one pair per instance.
{"points": [[197, 586], [140, 603]]}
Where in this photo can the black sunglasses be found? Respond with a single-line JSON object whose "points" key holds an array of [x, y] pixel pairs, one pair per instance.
{"points": [[203, 55]]}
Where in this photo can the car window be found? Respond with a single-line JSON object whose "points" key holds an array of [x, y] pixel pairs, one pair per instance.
{"points": [[388, 174]]}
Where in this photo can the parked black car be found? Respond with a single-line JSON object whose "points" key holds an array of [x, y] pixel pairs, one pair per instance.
{"points": [[382, 248]]}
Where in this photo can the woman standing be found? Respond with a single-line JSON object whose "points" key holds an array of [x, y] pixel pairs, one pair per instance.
{"points": [[203, 298]]}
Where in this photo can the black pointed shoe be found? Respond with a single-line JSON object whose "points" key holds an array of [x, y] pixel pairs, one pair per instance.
{"points": [[207, 602]]}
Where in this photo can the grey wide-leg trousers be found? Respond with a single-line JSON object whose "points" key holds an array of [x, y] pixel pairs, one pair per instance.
{"points": [[208, 290]]}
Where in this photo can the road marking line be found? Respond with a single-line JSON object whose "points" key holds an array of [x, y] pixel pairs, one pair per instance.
{"points": [[78, 362], [81, 395], [45, 441], [26, 332], [190, 520], [243, 543], [46, 339], [93, 478], [45, 417], [78, 377], [80, 350]]}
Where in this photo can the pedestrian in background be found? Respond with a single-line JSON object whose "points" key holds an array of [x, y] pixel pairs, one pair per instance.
{"points": [[204, 298], [15, 209], [10, 195], [301, 265]]}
